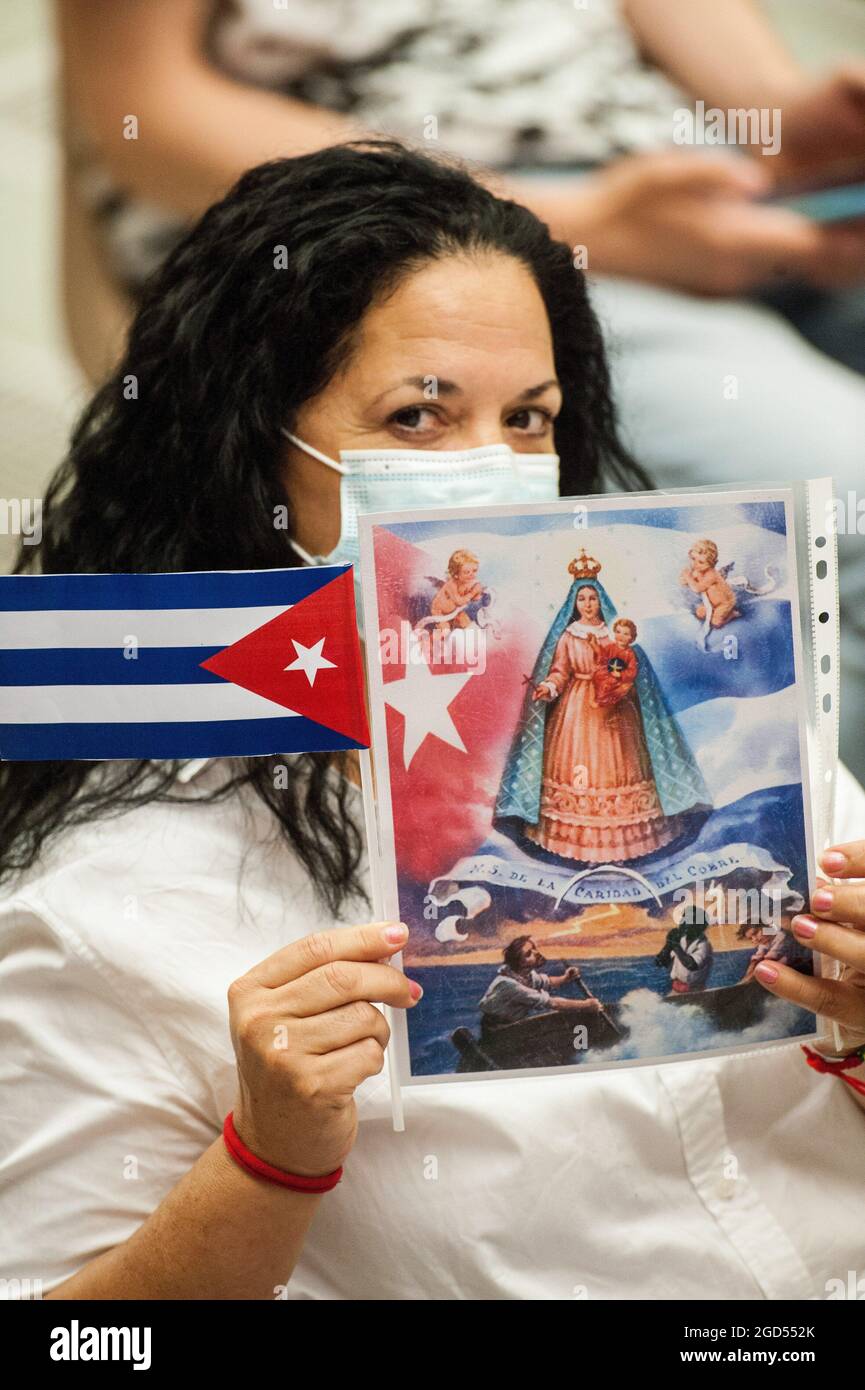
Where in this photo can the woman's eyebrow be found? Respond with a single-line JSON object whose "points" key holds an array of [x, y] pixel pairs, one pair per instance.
{"points": [[534, 391], [441, 386]]}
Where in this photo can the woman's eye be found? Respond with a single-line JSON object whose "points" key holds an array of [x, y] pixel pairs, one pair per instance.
{"points": [[411, 418], [532, 420]]}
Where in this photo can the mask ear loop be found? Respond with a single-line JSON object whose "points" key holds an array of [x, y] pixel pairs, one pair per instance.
{"points": [[316, 454], [331, 463], [304, 554]]}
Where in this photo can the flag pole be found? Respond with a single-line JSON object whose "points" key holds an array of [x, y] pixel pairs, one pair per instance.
{"points": [[373, 856]]}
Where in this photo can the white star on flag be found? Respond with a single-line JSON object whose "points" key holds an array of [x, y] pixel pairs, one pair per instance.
{"points": [[309, 660], [423, 700]]}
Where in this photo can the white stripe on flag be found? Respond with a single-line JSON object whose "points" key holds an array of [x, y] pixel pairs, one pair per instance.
{"points": [[149, 627], [132, 704]]}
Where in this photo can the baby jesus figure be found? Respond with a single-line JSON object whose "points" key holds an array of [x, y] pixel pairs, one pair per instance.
{"points": [[459, 589], [617, 666], [703, 578]]}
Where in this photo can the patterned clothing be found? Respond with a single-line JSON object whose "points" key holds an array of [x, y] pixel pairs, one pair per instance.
{"points": [[677, 779], [507, 83], [599, 802]]}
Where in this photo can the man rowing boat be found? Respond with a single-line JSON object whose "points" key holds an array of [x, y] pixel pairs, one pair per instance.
{"points": [[519, 989]]}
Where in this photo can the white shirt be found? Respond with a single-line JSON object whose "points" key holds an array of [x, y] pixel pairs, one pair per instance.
{"points": [[701, 953], [740, 1177], [509, 998]]}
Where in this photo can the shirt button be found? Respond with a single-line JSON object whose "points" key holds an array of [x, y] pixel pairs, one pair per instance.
{"points": [[725, 1188]]}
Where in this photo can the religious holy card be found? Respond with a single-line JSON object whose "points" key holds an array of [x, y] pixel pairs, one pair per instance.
{"points": [[604, 741]]}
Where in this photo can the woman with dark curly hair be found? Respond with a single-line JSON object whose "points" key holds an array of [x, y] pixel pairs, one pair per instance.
{"points": [[318, 298]]}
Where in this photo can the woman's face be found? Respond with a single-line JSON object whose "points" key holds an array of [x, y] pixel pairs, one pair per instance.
{"points": [[588, 605], [459, 355]]}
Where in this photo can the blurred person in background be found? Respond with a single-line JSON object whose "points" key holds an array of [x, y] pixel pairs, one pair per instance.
{"points": [[735, 328]]}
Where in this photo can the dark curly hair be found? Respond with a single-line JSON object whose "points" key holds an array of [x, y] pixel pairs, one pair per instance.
{"points": [[175, 463]]}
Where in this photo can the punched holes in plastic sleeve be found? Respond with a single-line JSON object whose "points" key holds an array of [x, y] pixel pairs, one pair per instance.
{"points": [[824, 601]]}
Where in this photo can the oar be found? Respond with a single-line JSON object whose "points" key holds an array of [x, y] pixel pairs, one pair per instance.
{"points": [[588, 993]]}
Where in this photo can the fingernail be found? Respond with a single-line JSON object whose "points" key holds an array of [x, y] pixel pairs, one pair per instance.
{"points": [[767, 973], [833, 861], [414, 990], [804, 927], [397, 932], [821, 901]]}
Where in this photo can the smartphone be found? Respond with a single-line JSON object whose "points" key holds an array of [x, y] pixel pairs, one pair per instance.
{"points": [[833, 198]]}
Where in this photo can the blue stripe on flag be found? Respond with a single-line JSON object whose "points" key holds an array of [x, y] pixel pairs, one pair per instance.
{"points": [[757, 664], [197, 589], [223, 738], [107, 666]]}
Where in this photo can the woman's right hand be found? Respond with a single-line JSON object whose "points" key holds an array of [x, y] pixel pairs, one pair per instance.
{"points": [[691, 221], [306, 1033]]}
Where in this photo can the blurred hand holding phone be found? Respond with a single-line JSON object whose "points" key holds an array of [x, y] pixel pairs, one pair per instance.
{"points": [[838, 195]]}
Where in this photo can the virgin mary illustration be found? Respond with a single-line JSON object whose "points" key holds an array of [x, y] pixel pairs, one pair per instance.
{"points": [[599, 770]]}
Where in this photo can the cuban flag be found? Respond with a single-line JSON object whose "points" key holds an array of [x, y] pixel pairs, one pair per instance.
{"points": [[193, 665]]}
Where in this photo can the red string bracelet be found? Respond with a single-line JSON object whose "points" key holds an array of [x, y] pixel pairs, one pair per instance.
{"points": [[838, 1066], [257, 1166]]}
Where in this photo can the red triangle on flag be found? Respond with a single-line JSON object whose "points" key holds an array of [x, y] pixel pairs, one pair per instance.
{"points": [[317, 640]]}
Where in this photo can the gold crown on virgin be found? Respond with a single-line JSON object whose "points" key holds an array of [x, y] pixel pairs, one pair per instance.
{"points": [[585, 566]]}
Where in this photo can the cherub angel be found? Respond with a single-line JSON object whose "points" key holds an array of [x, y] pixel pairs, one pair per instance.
{"points": [[461, 588], [721, 594], [458, 601], [705, 577]]}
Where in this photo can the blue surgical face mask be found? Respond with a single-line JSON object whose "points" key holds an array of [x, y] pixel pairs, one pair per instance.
{"points": [[390, 480]]}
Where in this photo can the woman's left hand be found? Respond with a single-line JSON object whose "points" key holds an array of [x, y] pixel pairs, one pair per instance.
{"points": [[836, 928]]}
